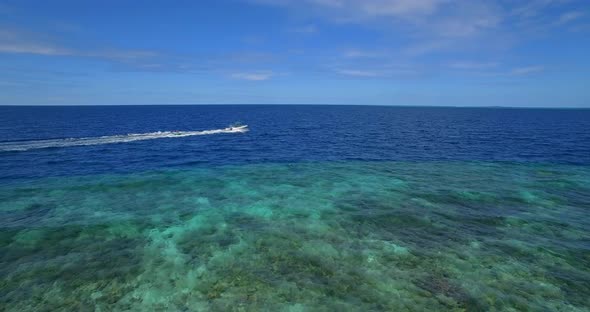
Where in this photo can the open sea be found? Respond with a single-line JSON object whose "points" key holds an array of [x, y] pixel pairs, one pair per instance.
{"points": [[315, 208]]}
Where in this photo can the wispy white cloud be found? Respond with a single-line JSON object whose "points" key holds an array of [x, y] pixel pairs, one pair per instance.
{"points": [[532, 8], [520, 71], [32, 48], [122, 55], [355, 9], [431, 26], [396, 8], [427, 46], [377, 70], [426, 25], [442, 17], [465, 20], [20, 42], [358, 73], [17, 41], [307, 29], [253, 76], [357, 53], [14, 42], [569, 17], [540, 16], [470, 65]]}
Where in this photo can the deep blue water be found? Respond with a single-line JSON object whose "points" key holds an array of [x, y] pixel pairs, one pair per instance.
{"points": [[281, 134]]}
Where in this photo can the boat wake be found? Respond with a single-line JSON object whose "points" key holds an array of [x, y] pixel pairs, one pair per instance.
{"points": [[56, 143]]}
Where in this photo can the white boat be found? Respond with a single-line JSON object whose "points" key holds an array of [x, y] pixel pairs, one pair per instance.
{"points": [[237, 128]]}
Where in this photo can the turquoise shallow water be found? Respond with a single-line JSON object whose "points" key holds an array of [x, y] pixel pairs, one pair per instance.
{"points": [[324, 236]]}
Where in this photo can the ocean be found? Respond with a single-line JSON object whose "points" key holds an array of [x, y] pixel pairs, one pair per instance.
{"points": [[315, 208]]}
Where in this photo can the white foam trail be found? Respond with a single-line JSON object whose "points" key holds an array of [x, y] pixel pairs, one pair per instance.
{"points": [[38, 144]]}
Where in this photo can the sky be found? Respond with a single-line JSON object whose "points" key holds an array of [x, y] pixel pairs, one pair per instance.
{"points": [[522, 53]]}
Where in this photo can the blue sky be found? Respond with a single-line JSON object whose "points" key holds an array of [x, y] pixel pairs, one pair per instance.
{"points": [[383, 52]]}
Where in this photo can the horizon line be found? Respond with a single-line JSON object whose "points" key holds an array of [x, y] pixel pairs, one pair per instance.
{"points": [[298, 104]]}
